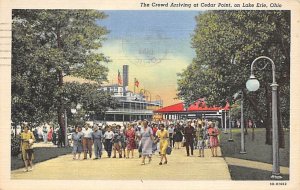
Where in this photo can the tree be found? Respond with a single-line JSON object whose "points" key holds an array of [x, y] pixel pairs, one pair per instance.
{"points": [[91, 99], [46, 46], [226, 42]]}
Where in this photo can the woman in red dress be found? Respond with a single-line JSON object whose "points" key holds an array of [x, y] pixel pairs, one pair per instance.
{"points": [[213, 139], [50, 133], [130, 136]]}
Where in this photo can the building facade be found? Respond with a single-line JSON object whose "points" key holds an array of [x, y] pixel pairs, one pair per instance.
{"points": [[131, 106]]}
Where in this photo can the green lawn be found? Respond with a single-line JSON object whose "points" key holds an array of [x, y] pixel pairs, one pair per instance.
{"points": [[256, 150], [41, 154]]}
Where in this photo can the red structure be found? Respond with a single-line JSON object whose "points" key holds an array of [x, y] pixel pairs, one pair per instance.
{"points": [[198, 109]]}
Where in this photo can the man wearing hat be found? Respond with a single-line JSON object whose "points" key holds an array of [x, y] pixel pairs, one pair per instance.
{"points": [[97, 137]]}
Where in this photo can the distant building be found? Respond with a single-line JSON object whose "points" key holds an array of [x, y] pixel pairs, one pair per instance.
{"points": [[132, 106]]}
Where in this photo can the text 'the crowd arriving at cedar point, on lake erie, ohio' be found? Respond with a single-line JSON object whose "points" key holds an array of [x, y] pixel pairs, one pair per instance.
{"points": [[209, 5]]}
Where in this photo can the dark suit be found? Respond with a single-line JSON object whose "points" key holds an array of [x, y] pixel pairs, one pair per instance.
{"points": [[189, 134]]}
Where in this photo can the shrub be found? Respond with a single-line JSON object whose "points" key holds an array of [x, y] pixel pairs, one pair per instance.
{"points": [[15, 145]]}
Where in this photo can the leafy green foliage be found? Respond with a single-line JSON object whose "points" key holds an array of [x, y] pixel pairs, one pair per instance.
{"points": [[48, 45], [89, 96], [226, 43]]}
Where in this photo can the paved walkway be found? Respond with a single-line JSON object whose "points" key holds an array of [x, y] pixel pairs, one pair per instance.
{"points": [[179, 167], [254, 164], [42, 144]]}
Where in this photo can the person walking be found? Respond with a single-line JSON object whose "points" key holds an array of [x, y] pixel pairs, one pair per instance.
{"points": [[138, 141], [27, 140], [163, 136], [250, 123], [77, 142], [154, 128], [117, 146], [50, 134], [213, 138], [238, 123], [97, 139], [123, 141], [177, 136], [195, 142], [54, 136], [45, 132], [200, 135], [130, 140], [189, 134], [146, 142], [87, 141], [61, 137], [108, 136], [171, 132]]}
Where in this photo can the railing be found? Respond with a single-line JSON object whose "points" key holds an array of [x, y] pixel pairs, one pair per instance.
{"points": [[138, 100], [129, 111]]}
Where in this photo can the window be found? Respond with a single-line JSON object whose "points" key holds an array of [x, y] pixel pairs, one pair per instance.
{"points": [[126, 118], [126, 105], [109, 117], [119, 117]]}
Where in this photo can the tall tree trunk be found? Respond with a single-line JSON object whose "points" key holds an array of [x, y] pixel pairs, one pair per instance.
{"points": [[60, 108], [266, 121], [280, 127]]}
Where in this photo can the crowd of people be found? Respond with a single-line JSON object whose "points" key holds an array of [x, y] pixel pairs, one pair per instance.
{"points": [[146, 137]]}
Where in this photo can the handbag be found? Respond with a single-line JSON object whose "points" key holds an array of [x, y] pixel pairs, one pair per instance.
{"points": [[169, 150]]}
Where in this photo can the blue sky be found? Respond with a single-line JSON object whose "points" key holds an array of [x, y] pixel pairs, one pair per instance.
{"points": [[155, 44]]}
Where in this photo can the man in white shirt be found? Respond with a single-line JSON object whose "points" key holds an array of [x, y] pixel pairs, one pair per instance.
{"points": [[108, 136], [87, 141]]}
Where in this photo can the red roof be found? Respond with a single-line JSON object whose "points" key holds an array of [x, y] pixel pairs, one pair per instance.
{"points": [[199, 105], [173, 108]]}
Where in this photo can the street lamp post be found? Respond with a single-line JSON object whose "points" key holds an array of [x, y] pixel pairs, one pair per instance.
{"points": [[230, 128], [253, 85], [221, 112], [243, 151], [225, 122]]}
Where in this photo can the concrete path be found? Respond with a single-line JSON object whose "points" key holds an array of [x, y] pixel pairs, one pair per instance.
{"points": [[254, 164], [179, 167]]}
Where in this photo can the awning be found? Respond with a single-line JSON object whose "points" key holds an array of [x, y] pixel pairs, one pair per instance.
{"points": [[197, 106]]}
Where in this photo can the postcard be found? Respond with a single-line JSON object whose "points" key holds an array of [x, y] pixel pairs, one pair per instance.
{"points": [[149, 94]]}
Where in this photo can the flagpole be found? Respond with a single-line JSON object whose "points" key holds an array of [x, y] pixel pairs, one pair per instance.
{"points": [[134, 86]]}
